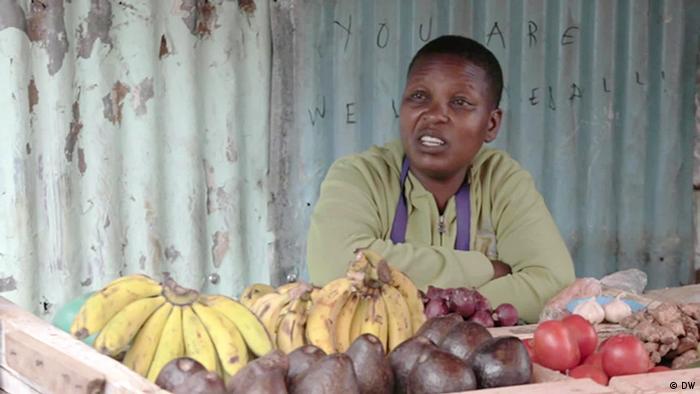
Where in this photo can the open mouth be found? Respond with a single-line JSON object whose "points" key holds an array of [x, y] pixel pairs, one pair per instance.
{"points": [[431, 141]]}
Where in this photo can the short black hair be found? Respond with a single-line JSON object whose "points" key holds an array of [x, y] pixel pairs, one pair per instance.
{"points": [[471, 51]]}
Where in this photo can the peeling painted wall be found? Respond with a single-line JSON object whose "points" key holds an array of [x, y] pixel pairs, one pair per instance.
{"points": [[134, 139], [191, 136]]}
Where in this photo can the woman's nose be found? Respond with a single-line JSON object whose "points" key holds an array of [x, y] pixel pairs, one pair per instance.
{"points": [[436, 113]]}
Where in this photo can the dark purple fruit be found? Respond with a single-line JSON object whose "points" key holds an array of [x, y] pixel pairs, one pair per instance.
{"points": [[439, 371], [177, 371], [404, 357], [464, 338], [372, 368], [501, 361]]}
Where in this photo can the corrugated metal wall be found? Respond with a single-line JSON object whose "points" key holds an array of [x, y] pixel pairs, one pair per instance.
{"points": [[599, 108], [133, 138], [191, 136]]}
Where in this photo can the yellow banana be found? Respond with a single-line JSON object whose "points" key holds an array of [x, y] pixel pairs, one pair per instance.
{"points": [[253, 292], [198, 343], [140, 354], [171, 344], [103, 305], [230, 347], [290, 332], [117, 334], [400, 281], [399, 317], [413, 299], [375, 320], [268, 309], [358, 319], [344, 322], [253, 331], [320, 325]]}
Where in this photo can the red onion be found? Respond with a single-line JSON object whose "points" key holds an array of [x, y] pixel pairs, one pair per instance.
{"points": [[482, 304], [463, 301], [482, 317], [436, 307], [505, 315]]}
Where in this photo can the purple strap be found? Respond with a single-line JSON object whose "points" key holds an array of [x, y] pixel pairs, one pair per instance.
{"points": [[398, 228]]}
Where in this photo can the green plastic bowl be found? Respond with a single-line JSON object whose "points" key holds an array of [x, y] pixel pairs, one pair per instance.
{"points": [[66, 314]]}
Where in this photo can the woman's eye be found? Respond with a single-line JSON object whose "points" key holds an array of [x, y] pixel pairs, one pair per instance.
{"points": [[419, 95]]}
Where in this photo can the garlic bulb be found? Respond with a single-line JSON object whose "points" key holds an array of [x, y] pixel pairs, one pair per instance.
{"points": [[617, 310], [591, 311]]}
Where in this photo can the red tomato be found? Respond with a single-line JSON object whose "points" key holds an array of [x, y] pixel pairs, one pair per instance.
{"points": [[590, 371], [624, 354], [584, 333], [659, 368], [595, 359], [555, 347], [530, 346]]}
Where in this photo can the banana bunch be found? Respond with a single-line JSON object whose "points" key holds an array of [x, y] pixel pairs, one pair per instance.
{"points": [[283, 311], [372, 298], [150, 323]]}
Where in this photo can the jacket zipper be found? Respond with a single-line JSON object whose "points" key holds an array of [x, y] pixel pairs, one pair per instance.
{"points": [[441, 227]]}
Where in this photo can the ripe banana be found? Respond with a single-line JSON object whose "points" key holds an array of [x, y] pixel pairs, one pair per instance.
{"points": [[230, 346], [140, 355], [290, 332], [253, 331], [399, 316], [117, 334], [344, 322], [253, 292], [198, 344], [320, 326], [104, 304], [413, 299], [268, 309], [358, 318], [171, 344], [400, 281], [375, 319]]}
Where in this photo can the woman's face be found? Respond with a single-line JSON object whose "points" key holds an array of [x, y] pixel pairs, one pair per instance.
{"points": [[447, 113]]}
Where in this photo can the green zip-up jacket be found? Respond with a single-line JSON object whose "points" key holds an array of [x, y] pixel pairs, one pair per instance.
{"points": [[509, 222]]}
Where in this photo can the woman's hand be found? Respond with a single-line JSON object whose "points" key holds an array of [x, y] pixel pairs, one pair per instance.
{"points": [[500, 269]]}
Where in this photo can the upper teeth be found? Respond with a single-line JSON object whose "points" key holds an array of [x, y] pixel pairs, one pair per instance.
{"points": [[431, 141]]}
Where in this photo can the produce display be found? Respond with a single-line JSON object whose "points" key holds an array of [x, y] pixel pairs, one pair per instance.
{"points": [[372, 298], [283, 312], [669, 332], [571, 346], [147, 324], [370, 331], [470, 305]]}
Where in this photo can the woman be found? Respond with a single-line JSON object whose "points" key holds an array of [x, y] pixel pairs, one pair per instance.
{"points": [[437, 204]]}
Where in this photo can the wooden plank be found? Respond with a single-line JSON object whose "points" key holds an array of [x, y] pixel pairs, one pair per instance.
{"points": [[48, 370], [659, 382], [678, 295], [527, 331], [580, 386], [118, 378], [12, 383]]}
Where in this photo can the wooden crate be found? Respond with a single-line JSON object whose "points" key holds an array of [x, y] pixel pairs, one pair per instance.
{"points": [[36, 357], [548, 381]]}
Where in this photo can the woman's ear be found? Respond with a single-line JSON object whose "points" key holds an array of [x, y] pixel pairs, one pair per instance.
{"points": [[494, 125]]}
